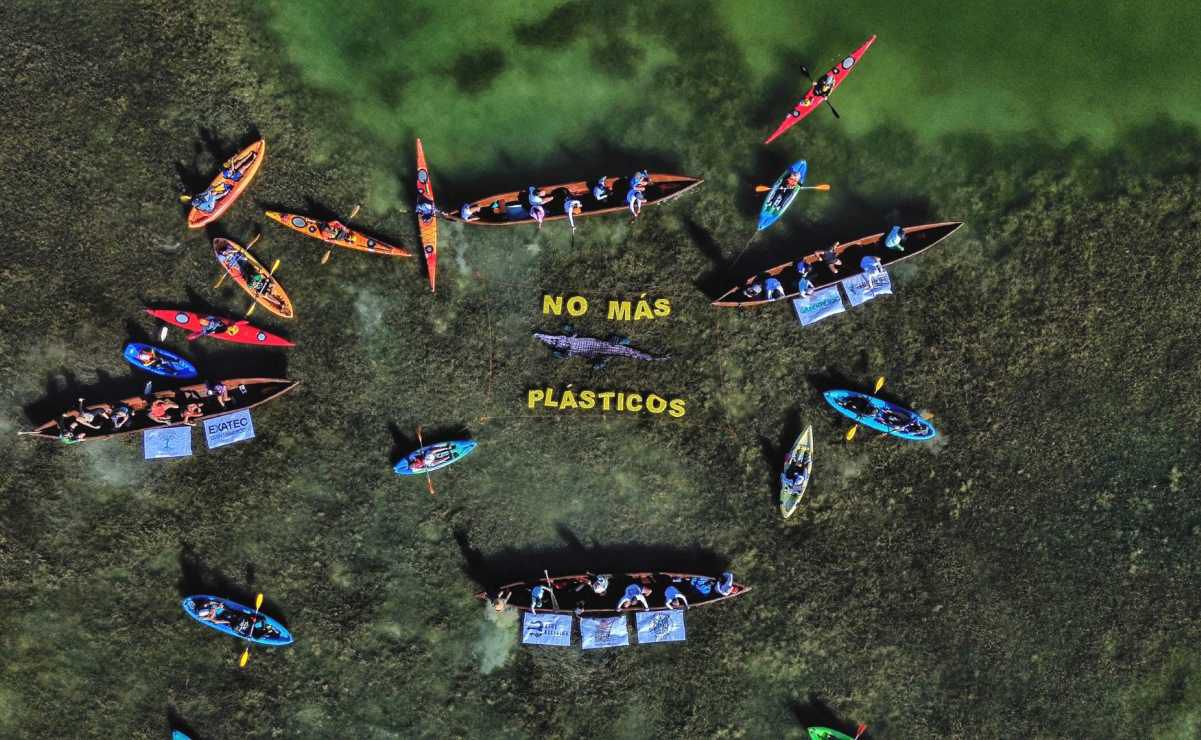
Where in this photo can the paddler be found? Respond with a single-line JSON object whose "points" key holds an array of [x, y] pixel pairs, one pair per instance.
{"points": [[571, 208], [831, 259], [775, 289], [893, 239], [232, 170], [600, 190], [501, 602], [160, 411], [674, 599], [468, 212], [824, 86], [206, 200], [753, 291], [598, 583], [538, 199], [335, 231], [231, 258], [538, 594], [794, 476], [212, 611], [120, 416], [260, 283], [804, 285], [148, 357], [634, 593], [635, 199], [193, 411], [425, 207], [725, 586], [640, 180]]}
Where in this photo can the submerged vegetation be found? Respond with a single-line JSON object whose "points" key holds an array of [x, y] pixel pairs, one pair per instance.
{"points": [[1030, 574]]}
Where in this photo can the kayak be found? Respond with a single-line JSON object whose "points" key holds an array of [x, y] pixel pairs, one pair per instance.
{"points": [[177, 735], [445, 453], [876, 413], [228, 330], [801, 455], [349, 238], [511, 208], [573, 594], [427, 225], [238, 263], [233, 179], [825, 733], [811, 101], [779, 199], [169, 365], [265, 630], [916, 240]]}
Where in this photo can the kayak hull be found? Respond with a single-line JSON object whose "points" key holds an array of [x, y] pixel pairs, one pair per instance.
{"points": [[777, 202], [354, 240], [810, 102], [457, 449], [234, 331], [924, 431], [802, 454], [575, 597], [281, 634], [198, 218], [274, 300], [173, 366], [825, 733], [428, 227]]}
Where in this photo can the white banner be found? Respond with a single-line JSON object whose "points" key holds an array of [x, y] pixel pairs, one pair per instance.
{"points": [[225, 430], [664, 626], [819, 305], [167, 442], [867, 285], [546, 629], [604, 632]]}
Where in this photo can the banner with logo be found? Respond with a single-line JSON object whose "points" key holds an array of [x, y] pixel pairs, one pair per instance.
{"points": [[229, 428], [819, 305], [546, 629], [664, 626], [867, 285], [604, 632], [166, 442]]}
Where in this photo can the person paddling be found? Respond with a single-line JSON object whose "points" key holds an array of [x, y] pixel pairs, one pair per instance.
{"points": [[538, 594], [635, 593], [824, 86], [468, 212], [674, 599], [571, 208], [893, 240], [335, 231], [635, 199], [640, 180], [538, 201], [600, 190]]}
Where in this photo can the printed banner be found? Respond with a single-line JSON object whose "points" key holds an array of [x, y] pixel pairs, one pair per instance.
{"points": [[664, 626], [225, 430], [604, 632], [167, 442], [867, 285], [823, 303], [546, 629]]}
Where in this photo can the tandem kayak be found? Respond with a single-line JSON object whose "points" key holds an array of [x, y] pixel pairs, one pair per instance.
{"points": [[346, 237], [233, 179], [166, 364], [243, 268], [243, 623], [427, 225], [780, 197], [876, 413], [800, 457], [218, 327], [811, 101], [434, 457]]}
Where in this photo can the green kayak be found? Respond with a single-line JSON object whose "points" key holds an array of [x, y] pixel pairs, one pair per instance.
{"points": [[825, 733]]}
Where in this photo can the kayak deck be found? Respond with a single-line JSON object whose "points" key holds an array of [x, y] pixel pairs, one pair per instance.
{"points": [[349, 239]]}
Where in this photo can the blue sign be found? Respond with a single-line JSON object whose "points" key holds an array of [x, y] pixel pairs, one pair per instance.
{"points": [[167, 442], [662, 626], [867, 285], [604, 632], [225, 430], [546, 629], [819, 305]]}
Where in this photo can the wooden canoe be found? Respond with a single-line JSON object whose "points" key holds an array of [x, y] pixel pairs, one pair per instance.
{"points": [[242, 266], [232, 330], [349, 239], [510, 209], [244, 393], [246, 164], [427, 226], [917, 239], [573, 592]]}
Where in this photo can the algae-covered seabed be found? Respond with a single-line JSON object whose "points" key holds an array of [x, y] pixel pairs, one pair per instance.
{"points": [[1031, 574]]}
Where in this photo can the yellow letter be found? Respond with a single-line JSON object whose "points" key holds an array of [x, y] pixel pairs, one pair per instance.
{"points": [[587, 399], [619, 310], [577, 305], [535, 395], [651, 400], [662, 307], [677, 408], [605, 397], [550, 399], [552, 304], [631, 399], [643, 311], [568, 400]]}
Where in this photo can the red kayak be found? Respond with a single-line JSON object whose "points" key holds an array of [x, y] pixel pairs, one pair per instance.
{"points": [[812, 100], [218, 327], [427, 226]]}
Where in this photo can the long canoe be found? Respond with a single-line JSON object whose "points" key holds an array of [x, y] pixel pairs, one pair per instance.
{"points": [[244, 393], [244, 623], [916, 240], [233, 179], [574, 595], [812, 100], [223, 328], [800, 455], [348, 238], [512, 208], [242, 266], [427, 225]]}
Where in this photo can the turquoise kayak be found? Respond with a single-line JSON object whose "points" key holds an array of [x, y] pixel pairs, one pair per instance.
{"points": [[167, 364], [781, 197], [876, 413], [265, 630], [177, 735], [434, 457]]}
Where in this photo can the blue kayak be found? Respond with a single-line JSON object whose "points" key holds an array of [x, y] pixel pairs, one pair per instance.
{"points": [[167, 364], [878, 414], [780, 197], [266, 631], [434, 457], [177, 735]]}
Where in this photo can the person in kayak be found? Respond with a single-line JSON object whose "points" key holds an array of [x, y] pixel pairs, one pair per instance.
{"points": [[824, 86], [231, 259], [232, 170], [725, 586], [191, 413], [501, 602], [870, 263], [600, 190], [431, 457], [260, 283], [120, 416], [634, 593], [571, 207], [467, 212], [425, 207], [538, 201], [149, 358], [674, 599], [894, 238], [538, 594], [754, 290], [635, 199], [892, 419], [206, 200], [831, 259], [640, 180], [160, 411], [775, 289], [218, 389], [599, 584], [214, 612], [335, 231]]}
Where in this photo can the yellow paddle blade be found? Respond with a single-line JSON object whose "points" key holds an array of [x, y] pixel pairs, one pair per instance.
{"points": [[879, 384], [245, 657], [258, 602], [184, 198], [353, 212], [325, 259], [253, 241], [761, 188], [274, 267], [220, 280], [851, 432], [251, 309], [927, 415], [822, 186]]}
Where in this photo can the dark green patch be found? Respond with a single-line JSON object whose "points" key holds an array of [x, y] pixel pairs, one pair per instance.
{"points": [[476, 70]]}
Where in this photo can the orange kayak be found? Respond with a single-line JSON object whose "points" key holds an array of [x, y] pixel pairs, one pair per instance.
{"points": [[243, 269], [235, 176], [427, 225], [345, 237]]}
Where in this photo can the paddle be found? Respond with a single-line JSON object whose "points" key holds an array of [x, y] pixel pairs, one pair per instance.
{"points": [[225, 272], [263, 290], [805, 71], [429, 481], [551, 586], [353, 212], [822, 186], [258, 603], [859, 731], [879, 385]]}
